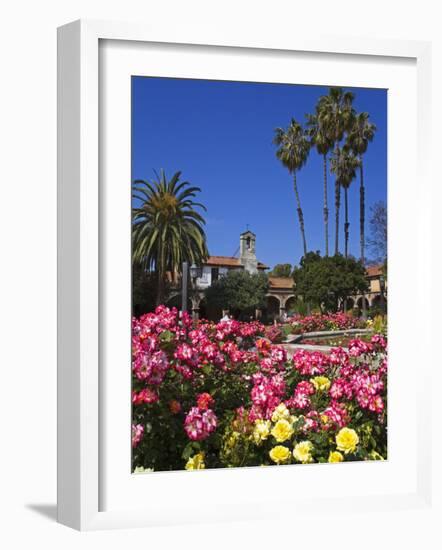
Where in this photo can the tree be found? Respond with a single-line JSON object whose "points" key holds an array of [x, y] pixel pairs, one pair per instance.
{"points": [[361, 133], [293, 149], [377, 242], [281, 270], [323, 143], [167, 229], [335, 115], [145, 290], [344, 164], [327, 281], [239, 290]]}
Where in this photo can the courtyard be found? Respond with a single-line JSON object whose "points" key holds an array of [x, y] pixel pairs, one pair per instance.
{"points": [[259, 332]]}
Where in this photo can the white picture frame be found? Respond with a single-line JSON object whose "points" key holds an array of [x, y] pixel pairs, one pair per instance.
{"points": [[79, 268]]}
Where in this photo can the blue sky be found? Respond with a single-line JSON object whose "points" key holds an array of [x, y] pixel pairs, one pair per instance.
{"points": [[219, 134]]}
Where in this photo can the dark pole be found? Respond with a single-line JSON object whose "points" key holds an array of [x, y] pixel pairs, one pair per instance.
{"points": [[184, 286]]}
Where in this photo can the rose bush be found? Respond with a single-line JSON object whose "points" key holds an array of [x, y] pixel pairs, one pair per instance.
{"points": [[222, 395], [331, 321]]}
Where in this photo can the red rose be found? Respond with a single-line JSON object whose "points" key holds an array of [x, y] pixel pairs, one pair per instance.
{"points": [[204, 401], [174, 406]]}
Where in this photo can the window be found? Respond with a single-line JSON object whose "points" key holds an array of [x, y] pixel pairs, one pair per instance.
{"points": [[215, 274]]}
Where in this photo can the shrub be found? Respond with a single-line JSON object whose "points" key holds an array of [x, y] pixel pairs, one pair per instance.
{"points": [[326, 282], [211, 396], [379, 325], [332, 321]]}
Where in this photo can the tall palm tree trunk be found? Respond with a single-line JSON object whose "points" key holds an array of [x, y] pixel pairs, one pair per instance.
{"points": [[337, 208], [362, 213], [346, 224], [337, 205], [300, 215], [362, 228], [325, 205]]}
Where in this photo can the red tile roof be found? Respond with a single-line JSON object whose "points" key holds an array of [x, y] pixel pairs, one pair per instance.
{"points": [[228, 261], [281, 283], [374, 270]]}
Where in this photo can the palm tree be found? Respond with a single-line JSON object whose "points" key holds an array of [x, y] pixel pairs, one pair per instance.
{"points": [[167, 229], [361, 133], [335, 114], [293, 149], [344, 164], [321, 140]]}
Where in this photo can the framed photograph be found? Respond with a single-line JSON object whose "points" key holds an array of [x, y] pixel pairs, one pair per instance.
{"points": [[233, 319]]}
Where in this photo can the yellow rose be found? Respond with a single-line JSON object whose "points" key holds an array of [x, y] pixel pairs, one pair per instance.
{"points": [[347, 440], [280, 454], [280, 413], [335, 456], [302, 452], [261, 431], [233, 438], [196, 462], [321, 383], [282, 431]]}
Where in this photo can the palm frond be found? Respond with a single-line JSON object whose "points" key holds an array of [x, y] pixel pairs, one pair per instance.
{"points": [[167, 223]]}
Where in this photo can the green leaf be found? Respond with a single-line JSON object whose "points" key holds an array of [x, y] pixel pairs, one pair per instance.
{"points": [[166, 336]]}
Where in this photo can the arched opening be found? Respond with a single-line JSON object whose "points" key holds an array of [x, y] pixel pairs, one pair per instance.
{"points": [[290, 305], [350, 304], [271, 311], [378, 305], [360, 303]]}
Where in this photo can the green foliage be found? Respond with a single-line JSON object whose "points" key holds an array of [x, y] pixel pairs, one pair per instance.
{"points": [[165, 442], [293, 146], [238, 290], [335, 113], [380, 325], [167, 228], [236, 440], [322, 140], [281, 270], [361, 133], [299, 307], [319, 136], [324, 282], [145, 289], [343, 165]]}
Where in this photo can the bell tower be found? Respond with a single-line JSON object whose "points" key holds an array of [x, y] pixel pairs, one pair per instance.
{"points": [[247, 251]]}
